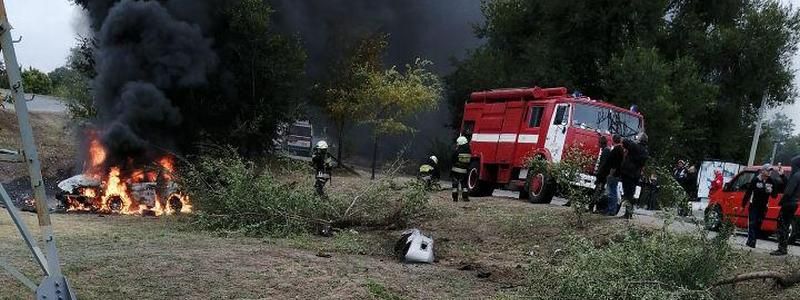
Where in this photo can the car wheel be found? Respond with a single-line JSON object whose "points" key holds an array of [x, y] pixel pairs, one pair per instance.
{"points": [[540, 187], [713, 218], [476, 186]]}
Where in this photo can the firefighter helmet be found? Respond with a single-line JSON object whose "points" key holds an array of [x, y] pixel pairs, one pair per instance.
{"points": [[462, 141], [322, 145], [434, 159]]}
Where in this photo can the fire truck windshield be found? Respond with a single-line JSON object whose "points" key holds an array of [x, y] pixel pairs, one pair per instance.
{"points": [[605, 120]]}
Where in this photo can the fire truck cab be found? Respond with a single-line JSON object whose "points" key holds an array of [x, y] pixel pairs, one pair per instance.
{"points": [[508, 127]]}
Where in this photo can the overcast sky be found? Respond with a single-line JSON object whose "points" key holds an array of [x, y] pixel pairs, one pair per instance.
{"points": [[49, 28]]}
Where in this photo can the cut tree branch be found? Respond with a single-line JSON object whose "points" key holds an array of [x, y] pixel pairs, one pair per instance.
{"points": [[781, 279]]}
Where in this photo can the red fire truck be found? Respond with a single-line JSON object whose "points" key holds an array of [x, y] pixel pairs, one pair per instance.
{"points": [[507, 127]]}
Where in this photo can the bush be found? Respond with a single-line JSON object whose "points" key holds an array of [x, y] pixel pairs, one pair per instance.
{"points": [[565, 173], [231, 194], [661, 265]]}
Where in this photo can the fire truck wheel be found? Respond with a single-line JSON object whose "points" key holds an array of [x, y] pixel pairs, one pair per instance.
{"points": [[540, 187], [477, 187]]}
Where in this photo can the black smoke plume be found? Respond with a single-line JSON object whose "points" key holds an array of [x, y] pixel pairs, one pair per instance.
{"points": [[143, 53]]}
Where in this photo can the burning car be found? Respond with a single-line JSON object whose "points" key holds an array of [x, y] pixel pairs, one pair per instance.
{"points": [[126, 189]]}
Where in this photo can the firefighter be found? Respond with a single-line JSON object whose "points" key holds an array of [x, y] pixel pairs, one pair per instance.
{"points": [[458, 173], [601, 174], [758, 192], [788, 205], [323, 164], [635, 159], [429, 172]]}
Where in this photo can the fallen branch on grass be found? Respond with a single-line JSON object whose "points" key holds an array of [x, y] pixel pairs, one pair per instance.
{"points": [[781, 279]]}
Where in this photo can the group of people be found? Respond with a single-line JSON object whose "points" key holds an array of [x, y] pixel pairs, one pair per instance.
{"points": [[429, 173], [758, 192], [622, 161]]}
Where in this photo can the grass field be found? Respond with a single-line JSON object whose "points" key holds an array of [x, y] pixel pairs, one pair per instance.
{"points": [[117, 257]]}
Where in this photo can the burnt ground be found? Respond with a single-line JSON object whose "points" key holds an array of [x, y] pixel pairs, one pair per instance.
{"points": [[122, 257], [56, 143]]}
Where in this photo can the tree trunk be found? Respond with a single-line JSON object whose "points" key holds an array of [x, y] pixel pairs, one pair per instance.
{"points": [[374, 155], [340, 134]]}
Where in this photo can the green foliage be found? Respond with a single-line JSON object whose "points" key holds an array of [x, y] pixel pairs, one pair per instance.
{"points": [[73, 81], [697, 69], [391, 96], [339, 94], [231, 194], [36, 82], [660, 265], [565, 173]]}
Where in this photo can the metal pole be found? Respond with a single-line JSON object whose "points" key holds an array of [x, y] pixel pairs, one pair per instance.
{"points": [[757, 134], [774, 151], [54, 285]]}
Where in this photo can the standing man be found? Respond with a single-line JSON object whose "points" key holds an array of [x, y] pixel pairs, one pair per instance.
{"points": [[759, 190], [601, 174], [680, 173], [462, 156], [614, 164], [635, 159], [322, 161], [788, 205]]}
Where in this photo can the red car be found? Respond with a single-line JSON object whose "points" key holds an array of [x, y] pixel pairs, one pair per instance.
{"points": [[726, 205]]}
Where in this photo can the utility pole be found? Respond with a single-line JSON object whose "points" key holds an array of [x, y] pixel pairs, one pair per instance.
{"points": [[54, 285], [761, 111]]}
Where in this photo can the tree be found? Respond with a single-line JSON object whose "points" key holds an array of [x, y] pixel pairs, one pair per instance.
{"points": [[698, 69], [339, 94], [36, 81], [390, 97]]}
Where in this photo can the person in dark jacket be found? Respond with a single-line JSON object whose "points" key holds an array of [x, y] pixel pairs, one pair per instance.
{"points": [[680, 172], [601, 174], [429, 172], [614, 165], [653, 189], [788, 205], [758, 192], [635, 159], [462, 157], [322, 161]]}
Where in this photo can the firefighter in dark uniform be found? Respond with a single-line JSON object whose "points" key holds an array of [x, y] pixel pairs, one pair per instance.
{"points": [[759, 190], [458, 173], [323, 164], [429, 172], [788, 204]]}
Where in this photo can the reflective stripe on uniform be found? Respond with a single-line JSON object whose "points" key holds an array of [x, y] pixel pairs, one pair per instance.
{"points": [[455, 190], [464, 158], [459, 170], [425, 168]]}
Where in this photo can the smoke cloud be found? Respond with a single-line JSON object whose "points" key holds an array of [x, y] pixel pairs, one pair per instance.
{"points": [[431, 29], [143, 53]]}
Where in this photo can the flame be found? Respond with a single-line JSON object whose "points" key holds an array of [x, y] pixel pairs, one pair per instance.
{"points": [[121, 187]]}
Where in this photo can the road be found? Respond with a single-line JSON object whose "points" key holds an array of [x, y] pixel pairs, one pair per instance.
{"points": [[652, 218], [40, 103]]}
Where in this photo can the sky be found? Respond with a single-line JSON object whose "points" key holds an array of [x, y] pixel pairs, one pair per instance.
{"points": [[49, 28]]}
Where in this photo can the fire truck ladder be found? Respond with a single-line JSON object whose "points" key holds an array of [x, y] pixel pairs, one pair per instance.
{"points": [[54, 286]]}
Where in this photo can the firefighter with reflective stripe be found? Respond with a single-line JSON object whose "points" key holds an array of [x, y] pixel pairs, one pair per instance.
{"points": [[458, 173], [429, 172], [323, 164]]}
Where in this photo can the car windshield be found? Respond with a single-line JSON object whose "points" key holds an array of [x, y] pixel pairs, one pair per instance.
{"points": [[300, 131], [605, 120]]}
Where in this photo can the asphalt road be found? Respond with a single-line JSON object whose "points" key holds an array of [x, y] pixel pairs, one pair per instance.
{"points": [[652, 218], [39, 103]]}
